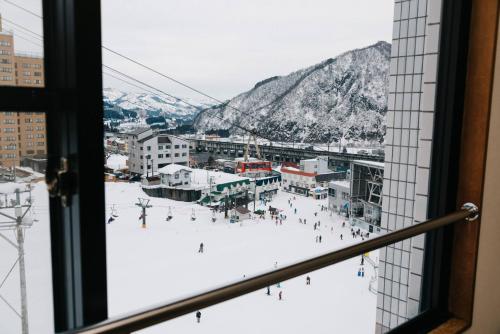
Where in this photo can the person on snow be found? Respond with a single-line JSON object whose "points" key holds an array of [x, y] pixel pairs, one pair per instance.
{"points": [[320, 239], [343, 224], [315, 224], [111, 219], [362, 260], [304, 221], [198, 316], [200, 250], [308, 280], [341, 237], [300, 220], [268, 292], [359, 272], [362, 272], [295, 210], [280, 295]]}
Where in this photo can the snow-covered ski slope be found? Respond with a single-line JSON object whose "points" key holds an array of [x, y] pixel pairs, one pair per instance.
{"points": [[161, 262]]}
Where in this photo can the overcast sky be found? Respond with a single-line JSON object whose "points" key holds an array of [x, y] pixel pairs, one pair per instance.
{"points": [[223, 47]]}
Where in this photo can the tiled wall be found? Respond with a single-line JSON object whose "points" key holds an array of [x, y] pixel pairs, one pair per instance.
{"points": [[410, 116]]}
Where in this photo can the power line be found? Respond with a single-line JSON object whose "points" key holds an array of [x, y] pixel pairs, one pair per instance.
{"points": [[39, 36], [24, 9]]}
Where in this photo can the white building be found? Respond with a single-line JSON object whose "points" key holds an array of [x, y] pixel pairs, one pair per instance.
{"points": [[339, 193], [149, 152], [174, 175], [318, 165]]}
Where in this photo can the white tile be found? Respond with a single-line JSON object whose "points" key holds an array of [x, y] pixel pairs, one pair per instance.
{"points": [[403, 29], [422, 10], [397, 260], [408, 208], [418, 241], [400, 210], [406, 244], [413, 8], [416, 261], [417, 85], [408, 82], [419, 45], [396, 154], [400, 82], [402, 309], [385, 187], [432, 38], [379, 313], [412, 28], [391, 100], [402, 45], [405, 259], [405, 10], [394, 66], [394, 320], [388, 269], [433, 11], [386, 318], [426, 125], [430, 68], [399, 101], [403, 175], [404, 276], [392, 220], [412, 308], [421, 26], [414, 286], [428, 97], [407, 101], [410, 190], [422, 185], [388, 151], [409, 64], [414, 115], [403, 294], [397, 136], [401, 65], [397, 121], [419, 61], [413, 137], [397, 11], [394, 301], [387, 299], [424, 153], [405, 124], [394, 187], [410, 46], [392, 210], [380, 301], [392, 83], [404, 155], [395, 42], [420, 208]]}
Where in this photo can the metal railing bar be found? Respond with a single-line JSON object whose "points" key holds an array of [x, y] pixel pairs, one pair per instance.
{"points": [[158, 314]]}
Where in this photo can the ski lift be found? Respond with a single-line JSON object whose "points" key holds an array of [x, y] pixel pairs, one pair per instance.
{"points": [[169, 215], [193, 216], [114, 214], [213, 216]]}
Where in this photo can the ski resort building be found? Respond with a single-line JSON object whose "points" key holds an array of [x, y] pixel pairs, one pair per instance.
{"points": [[339, 194], [310, 178], [149, 151], [175, 175], [365, 204]]}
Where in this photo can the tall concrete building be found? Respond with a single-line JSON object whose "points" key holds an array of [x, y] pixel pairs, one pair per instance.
{"points": [[410, 117], [21, 134]]}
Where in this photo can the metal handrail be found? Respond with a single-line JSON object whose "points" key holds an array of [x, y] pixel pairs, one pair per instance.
{"points": [[158, 314]]}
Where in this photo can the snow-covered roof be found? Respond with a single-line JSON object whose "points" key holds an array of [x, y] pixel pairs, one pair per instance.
{"points": [[117, 161], [173, 168], [369, 163]]}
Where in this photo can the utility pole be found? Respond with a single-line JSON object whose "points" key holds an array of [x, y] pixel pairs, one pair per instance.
{"points": [[22, 268], [144, 204], [18, 223]]}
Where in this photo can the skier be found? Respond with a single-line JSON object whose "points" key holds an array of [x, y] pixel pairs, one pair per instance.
{"points": [[320, 239], [198, 316], [319, 223], [308, 280], [300, 220], [268, 291], [316, 238], [359, 272], [305, 221], [362, 272], [315, 214], [280, 295], [201, 248], [343, 224], [341, 237], [315, 224], [111, 219], [295, 210], [276, 265], [362, 260]]}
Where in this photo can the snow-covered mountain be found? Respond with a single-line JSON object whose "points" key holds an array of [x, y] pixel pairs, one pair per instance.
{"points": [[119, 103], [342, 97]]}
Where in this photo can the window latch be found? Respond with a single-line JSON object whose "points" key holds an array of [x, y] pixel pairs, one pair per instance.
{"points": [[61, 181]]}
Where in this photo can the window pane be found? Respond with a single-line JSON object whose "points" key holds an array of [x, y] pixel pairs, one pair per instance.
{"points": [[21, 44], [343, 122], [25, 264]]}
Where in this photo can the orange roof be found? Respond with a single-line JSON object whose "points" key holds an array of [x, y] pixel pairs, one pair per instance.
{"points": [[296, 172]]}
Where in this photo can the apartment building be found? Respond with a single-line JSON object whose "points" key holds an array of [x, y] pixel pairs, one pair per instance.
{"points": [[22, 135], [149, 151]]}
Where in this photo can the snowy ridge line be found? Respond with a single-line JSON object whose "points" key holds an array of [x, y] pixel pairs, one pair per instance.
{"points": [[164, 312]]}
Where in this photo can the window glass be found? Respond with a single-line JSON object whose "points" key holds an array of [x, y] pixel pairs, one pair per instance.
{"points": [[25, 263], [332, 94]]}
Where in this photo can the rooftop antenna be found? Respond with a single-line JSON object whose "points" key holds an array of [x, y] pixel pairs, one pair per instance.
{"points": [[17, 221]]}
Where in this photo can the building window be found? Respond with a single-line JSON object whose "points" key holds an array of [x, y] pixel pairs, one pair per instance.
{"points": [[160, 147], [160, 156], [149, 148], [176, 146], [176, 176], [176, 154], [184, 146], [168, 147], [184, 154]]}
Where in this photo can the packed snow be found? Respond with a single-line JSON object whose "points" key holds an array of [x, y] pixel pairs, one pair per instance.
{"points": [[162, 262]]}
